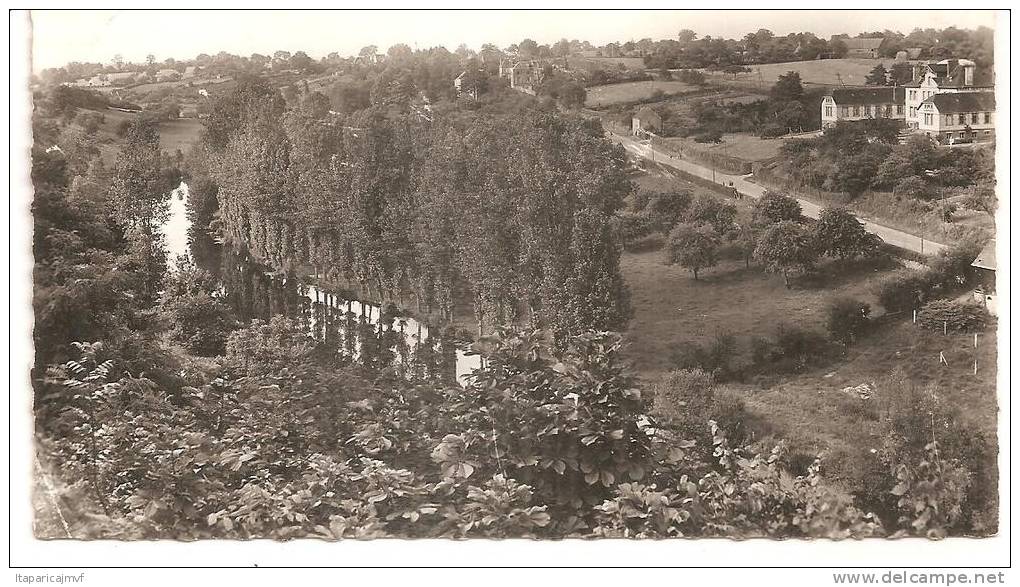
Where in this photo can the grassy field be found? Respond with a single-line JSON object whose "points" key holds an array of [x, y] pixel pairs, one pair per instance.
{"points": [[670, 307], [741, 145], [815, 417], [599, 96], [808, 410], [824, 71], [179, 134]]}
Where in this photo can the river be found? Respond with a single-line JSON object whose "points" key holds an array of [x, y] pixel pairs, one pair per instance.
{"points": [[359, 330]]}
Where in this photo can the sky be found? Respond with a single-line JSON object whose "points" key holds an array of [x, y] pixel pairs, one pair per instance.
{"points": [[63, 36]]}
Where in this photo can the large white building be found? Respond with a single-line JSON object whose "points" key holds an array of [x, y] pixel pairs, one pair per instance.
{"points": [[861, 104], [949, 100], [948, 76], [954, 117]]}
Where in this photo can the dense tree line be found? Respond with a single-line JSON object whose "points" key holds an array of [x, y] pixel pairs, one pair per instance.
{"points": [[99, 256], [503, 207], [788, 108], [854, 157], [763, 46]]}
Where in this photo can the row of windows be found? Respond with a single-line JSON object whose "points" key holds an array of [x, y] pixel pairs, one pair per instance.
{"points": [[960, 119], [884, 110], [924, 95], [970, 118]]}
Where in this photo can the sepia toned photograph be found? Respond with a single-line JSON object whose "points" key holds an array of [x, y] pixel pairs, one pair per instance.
{"points": [[514, 274]]}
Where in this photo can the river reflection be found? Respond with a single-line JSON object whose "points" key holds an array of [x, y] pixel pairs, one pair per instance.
{"points": [[368, 333]]}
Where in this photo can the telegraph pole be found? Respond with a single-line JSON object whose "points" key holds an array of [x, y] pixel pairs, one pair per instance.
{"points": [[921, 224]]}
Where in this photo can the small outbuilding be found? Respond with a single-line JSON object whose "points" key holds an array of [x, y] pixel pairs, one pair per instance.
{"points": [[984, 266], [646, 121]]}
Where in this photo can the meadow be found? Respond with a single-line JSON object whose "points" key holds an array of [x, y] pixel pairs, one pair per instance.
{"points": [[608, 95]]}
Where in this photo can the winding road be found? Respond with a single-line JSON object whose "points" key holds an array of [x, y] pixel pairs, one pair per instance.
{"points": [[896, 238]]}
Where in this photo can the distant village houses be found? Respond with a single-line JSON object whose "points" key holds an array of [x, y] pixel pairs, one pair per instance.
{"points": [[523, 76], [167, 75], [865, 48], [105, 80]]}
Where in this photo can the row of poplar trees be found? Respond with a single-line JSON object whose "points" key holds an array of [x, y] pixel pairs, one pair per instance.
{"points": [[505, 207]]}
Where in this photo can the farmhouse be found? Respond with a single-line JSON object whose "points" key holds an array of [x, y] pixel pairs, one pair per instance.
{"points": [[866, 48], [946, 76], [862, 103], [103, 80], [985, 271], [468, 84], [967, 116], [646, 121], [524, 76]]}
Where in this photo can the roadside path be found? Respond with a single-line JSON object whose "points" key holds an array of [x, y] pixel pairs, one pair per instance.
{"points": [[894, 237]]}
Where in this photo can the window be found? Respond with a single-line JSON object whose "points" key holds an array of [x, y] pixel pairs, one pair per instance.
{"points": [[899, 109], [857, 110], [928, 119], [828, 111], [913, 112], [988, 117], [973, 118], [913, 94], [961, 119]]}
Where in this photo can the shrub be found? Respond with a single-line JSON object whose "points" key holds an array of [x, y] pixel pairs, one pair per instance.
{"points": [[666, 209], [914, 187], [267, 347], [761, 350], [652, 242], [846, 319], [716, 357], [741, 426], [900, 293], [951, 268], [684, 397], [633, 226], [952, 316], [772, 130], [199, 318], [798, 347]]}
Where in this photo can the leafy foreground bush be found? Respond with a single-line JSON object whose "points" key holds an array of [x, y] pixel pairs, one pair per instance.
{"points": [[952, 316], [846, 319], [540, 444]]}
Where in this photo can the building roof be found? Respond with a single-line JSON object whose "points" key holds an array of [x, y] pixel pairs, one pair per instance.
{"points": [[864, 43], [951, 73], [986, 258], [914, 52], [963, 102], [872, 95]]}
